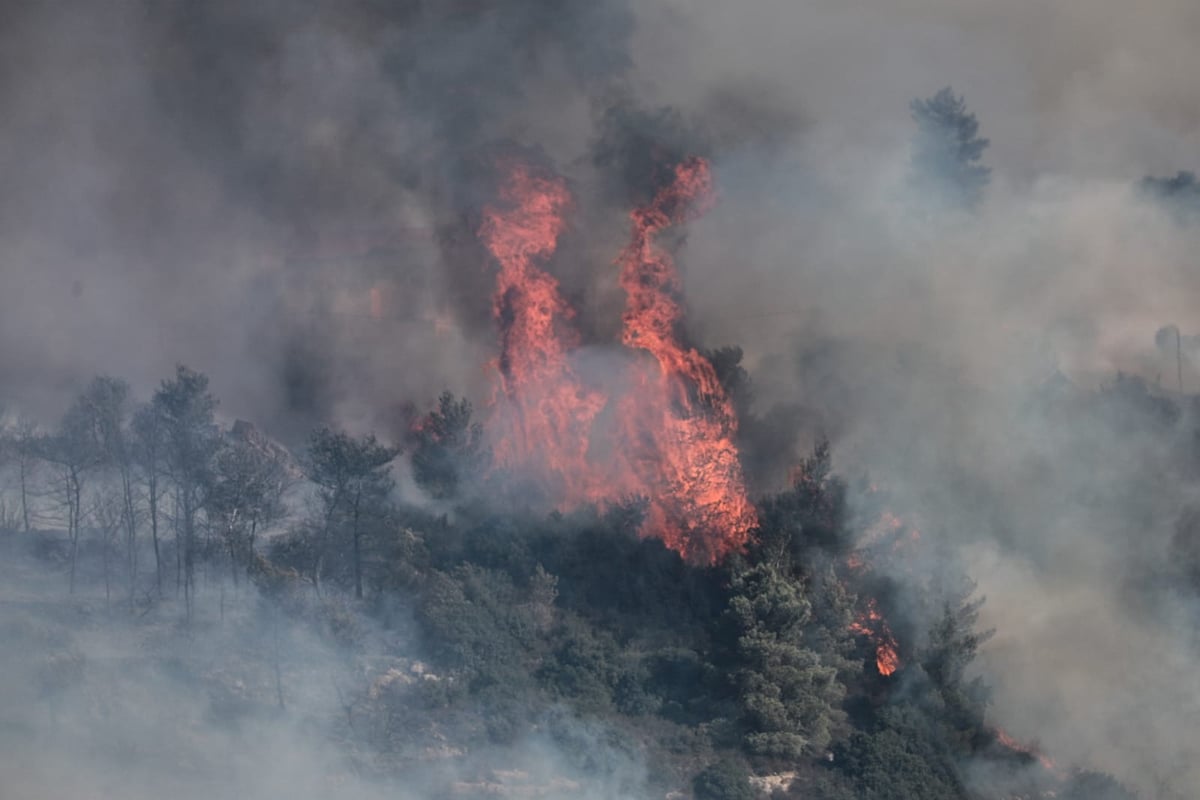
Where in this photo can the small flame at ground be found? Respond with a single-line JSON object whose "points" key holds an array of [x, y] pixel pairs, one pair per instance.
{"points": [[870, 623]]}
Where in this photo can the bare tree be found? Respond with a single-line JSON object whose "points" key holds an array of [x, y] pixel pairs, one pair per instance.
{"points": [[21, 449], [75, 448], [106, 401], [108, 516], [148, 451], [246, 495], [354, 481], [190, 439]]}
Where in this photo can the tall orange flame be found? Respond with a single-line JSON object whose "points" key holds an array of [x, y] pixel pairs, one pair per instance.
{"points": [[673, 442], [546, 412], [680, 420]]}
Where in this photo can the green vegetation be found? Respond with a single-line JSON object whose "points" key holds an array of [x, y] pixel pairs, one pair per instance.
{"points": [[722, 678]]}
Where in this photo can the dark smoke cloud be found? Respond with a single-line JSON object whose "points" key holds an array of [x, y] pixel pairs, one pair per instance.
{"points": [[222, 184]]}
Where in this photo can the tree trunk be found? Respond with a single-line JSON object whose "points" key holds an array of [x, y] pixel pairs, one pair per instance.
{"points": [[23, 466], [189, 564], [358, 592], [323, 545], [233, 567], [175, 524], [105, 542], [130, 520], [152, 484], [73, 518], [276, 656]]}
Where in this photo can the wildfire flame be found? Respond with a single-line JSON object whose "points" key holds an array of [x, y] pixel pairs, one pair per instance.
{"points": [[680, 417], [545, 420], [1009, 743], [673, 442], [870, 623]]}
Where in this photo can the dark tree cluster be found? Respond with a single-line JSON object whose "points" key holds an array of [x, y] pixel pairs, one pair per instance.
{"points": [[1180, 192]]}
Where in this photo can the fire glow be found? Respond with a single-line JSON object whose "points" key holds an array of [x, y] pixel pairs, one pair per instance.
{"points": [[1011, 744], [668, 431], [870, 623], [892, 534]]}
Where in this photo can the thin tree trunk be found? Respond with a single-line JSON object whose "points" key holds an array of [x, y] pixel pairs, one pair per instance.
{"points": [[176, 525], [233, 561], [358, 592], [153, 486], [189, 555], [322, 546], [276, 656], [105, 542], [73, 518], [130, 532], [24, 473], [324, 543]]}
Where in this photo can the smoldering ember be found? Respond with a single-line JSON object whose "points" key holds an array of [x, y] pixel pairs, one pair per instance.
{"points": [[599, 400]]}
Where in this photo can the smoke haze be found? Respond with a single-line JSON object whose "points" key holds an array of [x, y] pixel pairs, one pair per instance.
{"points": [[224, 185]]}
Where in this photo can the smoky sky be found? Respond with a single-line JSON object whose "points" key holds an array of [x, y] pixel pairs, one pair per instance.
{"points": [[221, 184], [224, 184], [208, 182]]}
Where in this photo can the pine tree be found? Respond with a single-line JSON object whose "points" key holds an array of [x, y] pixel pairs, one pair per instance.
{"points": [[788, 697], [354, 478], [947, 151]]}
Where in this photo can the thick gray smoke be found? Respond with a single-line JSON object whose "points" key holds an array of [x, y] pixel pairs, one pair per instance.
{"points": [[284, 196], [254, 702], [225, 185], [929, 346]]}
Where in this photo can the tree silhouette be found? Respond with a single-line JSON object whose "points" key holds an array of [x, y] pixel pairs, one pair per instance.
{"points": [[947, 151], [354, 481]]}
